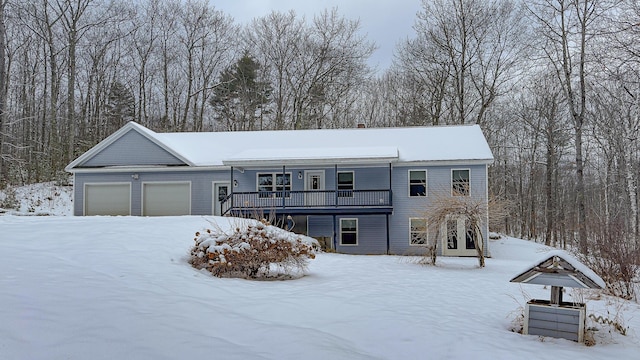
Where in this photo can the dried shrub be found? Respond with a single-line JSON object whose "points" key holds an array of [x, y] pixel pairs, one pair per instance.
{"points": [[615, 257], [442, 206], [517, 315], [252, 250]]}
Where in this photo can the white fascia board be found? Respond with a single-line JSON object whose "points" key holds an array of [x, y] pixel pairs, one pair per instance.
{"points": [[310, 162], [446, 162], [530, 278], [139, 169]]}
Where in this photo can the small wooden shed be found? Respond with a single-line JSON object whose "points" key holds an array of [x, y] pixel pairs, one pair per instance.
{"points": [[557, 318]]}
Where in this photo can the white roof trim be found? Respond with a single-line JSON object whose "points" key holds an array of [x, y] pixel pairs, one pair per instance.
{"points": [[141, 169], [147, 133], [446, 162]]}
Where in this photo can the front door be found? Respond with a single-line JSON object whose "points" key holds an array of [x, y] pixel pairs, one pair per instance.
{"points": [[314, 184], [459, 237], [220, 192]]}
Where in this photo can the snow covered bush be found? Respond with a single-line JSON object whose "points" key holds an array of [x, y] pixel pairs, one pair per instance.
{"points": [[252, 250]]}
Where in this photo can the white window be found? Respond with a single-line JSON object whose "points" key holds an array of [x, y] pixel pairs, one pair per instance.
{"points": [[460, 182], [274, 184], [345, 183], [417, 232], [348, 231], [417, 183]]}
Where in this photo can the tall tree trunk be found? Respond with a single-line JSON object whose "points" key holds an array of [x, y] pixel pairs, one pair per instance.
{"points": [[551, 204], [632, 190], [3, 99], [71, 90], [577, 102]]}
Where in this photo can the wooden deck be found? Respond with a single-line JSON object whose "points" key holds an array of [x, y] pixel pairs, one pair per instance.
{"points": [[310, 202]]}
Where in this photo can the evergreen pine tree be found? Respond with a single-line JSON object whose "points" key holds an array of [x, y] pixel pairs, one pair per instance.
{"points": [[120, 106], [240, 98]]}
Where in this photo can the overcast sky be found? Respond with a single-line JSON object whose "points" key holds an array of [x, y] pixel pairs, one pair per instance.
{"points": [[383, 21]]}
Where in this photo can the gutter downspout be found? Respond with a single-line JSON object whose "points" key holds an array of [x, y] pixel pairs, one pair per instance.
{"points": [[336, 183], [390, 204], [388, 243], [335, 242], [390, 187], [284, 186], [231, 186]]}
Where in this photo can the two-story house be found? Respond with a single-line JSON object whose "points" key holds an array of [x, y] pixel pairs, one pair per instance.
{"points": [[360, 191]]}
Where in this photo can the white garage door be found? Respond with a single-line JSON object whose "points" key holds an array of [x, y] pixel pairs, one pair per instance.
{"points": [[107, 199], [166, 199]]}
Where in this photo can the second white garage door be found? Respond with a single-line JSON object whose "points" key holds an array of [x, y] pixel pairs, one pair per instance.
{"points": [[166, 199]]}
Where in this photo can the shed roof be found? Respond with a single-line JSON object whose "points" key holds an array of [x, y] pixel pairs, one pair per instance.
{"points": [[558, 268], [245, 148]]}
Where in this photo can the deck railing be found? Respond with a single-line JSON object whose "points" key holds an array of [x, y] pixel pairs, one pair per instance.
{"points": [[319, 199]]}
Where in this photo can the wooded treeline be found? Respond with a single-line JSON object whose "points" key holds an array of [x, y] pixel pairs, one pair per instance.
{"points": [[555, 85]]}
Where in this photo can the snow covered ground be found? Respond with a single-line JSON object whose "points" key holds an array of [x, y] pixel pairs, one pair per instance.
{"points": [[38, 199], [121, 288]]}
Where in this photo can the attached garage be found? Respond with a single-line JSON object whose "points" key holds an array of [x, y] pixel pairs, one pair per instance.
{"points": [[166, 198], [107, 199]]}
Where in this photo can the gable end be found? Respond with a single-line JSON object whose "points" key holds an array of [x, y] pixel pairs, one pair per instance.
{"points": [[130, 146]]}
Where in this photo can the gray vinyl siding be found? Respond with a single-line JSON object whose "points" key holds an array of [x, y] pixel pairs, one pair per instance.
{"points": [[372, 239], [320, 226], [370, 178], [366, 178], [132, 149], [438, 184], [201, 187], [372, 232]]}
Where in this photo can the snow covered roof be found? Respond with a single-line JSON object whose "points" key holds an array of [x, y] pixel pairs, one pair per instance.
{"points": [[309, 155], [558, 268], [321, 146]]}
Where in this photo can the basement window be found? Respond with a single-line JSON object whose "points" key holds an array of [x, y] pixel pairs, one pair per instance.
{"points": [[348, 231]]}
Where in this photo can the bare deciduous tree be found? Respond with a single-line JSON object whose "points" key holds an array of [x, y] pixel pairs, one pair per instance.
{"points": [[3, 92], [315, 69], [568, 27], [465, 53], [473, 211]]}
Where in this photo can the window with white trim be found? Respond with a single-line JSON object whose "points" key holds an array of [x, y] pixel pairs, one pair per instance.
{"points": [[345, 184], [417, 183], [418, 232], [348, 231], [274, 184], [460, 182]]}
